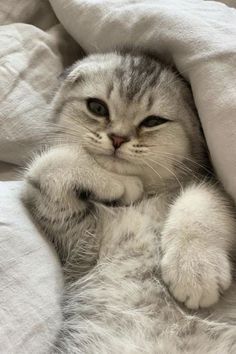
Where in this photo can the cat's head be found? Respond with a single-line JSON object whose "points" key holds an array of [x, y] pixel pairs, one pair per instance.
{"points": [[133, 114]]}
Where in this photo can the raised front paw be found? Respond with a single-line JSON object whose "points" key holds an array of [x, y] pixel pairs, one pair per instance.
{"points": [[196, 276], [133, 190]]}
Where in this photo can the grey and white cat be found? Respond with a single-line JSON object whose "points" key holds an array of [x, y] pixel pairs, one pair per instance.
{"points": [[143, 241]]}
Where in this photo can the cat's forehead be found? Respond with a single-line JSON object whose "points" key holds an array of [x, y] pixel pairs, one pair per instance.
{"points": [[132, 77]]}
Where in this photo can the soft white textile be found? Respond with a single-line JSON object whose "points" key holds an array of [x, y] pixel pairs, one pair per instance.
{"points": [[199, 36], [34, 50], [31, 280], [31, 58]]}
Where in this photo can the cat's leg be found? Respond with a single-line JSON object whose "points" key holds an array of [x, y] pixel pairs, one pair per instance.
{"points": [[196, 240], [112, 308], [63, 191]]}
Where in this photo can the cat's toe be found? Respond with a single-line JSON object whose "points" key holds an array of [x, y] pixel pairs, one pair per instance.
{"points": [[216, 280], [189, 296], [182, 285], [209, 298], [196, 282]]}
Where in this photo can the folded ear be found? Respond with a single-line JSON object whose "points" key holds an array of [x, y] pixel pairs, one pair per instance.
{"points": [[72, 74], [65, 73]]}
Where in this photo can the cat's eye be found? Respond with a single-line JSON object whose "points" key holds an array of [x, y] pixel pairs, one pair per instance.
{"points": [[152, 121], [97, 107]]}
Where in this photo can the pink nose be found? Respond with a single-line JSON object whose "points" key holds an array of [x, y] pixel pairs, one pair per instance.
{"points": [[117, 141]]}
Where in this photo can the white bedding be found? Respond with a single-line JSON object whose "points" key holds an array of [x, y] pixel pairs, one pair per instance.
{"points": [[199, 36], [31, 280]]}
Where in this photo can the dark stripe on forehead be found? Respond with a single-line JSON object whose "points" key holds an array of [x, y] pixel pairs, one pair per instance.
{"points": [[136, 75], [109, 90], [119, 74], [155, 76], [150, 102], [149, 82]]}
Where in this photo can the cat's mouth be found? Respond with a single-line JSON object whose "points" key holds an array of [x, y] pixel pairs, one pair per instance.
{"points": [[115, 157], [115, 162], [118, 155]]}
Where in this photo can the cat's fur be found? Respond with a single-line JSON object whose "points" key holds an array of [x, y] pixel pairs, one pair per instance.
{"points": [[134, 270]]}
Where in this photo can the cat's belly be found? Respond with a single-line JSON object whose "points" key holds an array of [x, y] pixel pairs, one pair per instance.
{"points": [[122, 305]]}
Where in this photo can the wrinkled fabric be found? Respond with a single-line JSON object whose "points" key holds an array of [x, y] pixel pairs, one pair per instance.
{"points": [[31, 280], [38, 40], [34, 50]]}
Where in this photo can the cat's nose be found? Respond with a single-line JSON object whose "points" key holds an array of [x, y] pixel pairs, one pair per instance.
{"points": [[117, 141]]}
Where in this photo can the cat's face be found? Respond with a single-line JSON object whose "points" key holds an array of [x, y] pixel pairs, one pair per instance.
{"points": [[132, 114]]}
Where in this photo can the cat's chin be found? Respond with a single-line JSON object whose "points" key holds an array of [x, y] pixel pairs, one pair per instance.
{"points": [[116, 164]]}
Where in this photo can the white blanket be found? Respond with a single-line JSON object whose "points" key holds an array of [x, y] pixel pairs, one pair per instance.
{"points": [[31, 281], [198, 36]]}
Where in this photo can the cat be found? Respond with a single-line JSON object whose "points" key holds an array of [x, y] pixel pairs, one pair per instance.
{"points": [[143, 234]]}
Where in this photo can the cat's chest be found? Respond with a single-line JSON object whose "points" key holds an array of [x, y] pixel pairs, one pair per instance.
{"points": [[134, 229]]}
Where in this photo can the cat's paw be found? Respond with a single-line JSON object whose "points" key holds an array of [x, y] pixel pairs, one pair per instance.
{"points": [[197, 277], [133, 190], [48, 177], [40, 178]]}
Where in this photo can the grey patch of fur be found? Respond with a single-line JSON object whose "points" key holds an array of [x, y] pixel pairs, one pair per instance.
{"points": [[145, 73]]}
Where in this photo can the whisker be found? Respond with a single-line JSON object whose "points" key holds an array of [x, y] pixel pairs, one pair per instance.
{"points": [[147, 164], [180, 165], [186, 158], [171, 172], [77, 123]]}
